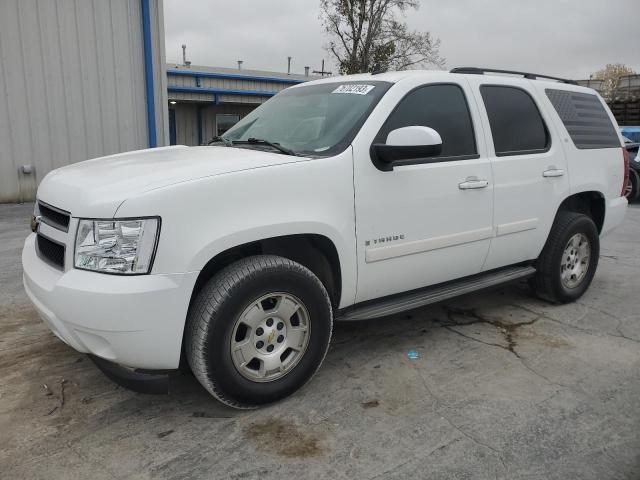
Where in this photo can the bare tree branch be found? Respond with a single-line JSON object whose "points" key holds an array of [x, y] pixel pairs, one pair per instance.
{"points": [[610, 76], [366, 35]]}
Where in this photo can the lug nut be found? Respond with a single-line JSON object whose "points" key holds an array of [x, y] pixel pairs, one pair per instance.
{"points": [[270, 348], [280, 338], [269, 322], [259, 331], [260, 344], [280, 326]]}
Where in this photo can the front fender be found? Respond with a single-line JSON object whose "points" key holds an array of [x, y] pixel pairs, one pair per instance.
{"points": [[205, 217]]}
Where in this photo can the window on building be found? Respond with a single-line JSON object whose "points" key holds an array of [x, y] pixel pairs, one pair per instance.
{"points": [[516, 124], [441, 107], [225, 121], [586, 120]]}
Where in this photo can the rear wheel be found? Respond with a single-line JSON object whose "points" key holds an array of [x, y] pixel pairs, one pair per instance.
{"points": [[258, 330], [569, 259], [633, 186]]}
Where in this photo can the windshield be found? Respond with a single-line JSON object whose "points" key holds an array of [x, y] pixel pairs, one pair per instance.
{"points": [[314, 120]]}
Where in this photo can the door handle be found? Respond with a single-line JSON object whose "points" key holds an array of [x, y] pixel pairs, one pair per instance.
{"points": [[553, 172], [472, 183]]}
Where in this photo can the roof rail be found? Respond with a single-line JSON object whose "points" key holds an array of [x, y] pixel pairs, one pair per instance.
{"points": [[530, 76]]}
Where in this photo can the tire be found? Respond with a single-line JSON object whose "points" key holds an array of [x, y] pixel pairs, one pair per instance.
{"points": [[548, 282], [229, 319], [633, 186]]}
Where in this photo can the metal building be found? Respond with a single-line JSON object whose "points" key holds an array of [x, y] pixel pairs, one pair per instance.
{"points": [[205, 101], [79, 79]]}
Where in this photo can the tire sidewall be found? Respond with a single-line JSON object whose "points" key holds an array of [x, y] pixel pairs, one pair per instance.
{"points": [[219, 365], [634, 178], [584, 225]]}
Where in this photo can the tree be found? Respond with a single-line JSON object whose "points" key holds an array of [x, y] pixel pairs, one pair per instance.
{"points": [[610, 76], [366, 35]]}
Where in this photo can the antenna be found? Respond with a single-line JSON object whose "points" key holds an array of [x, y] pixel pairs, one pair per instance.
{"points": [[185, 62], [322, 71]]}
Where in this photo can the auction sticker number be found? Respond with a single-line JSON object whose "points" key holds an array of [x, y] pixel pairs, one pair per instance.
{"points": [[357, 89]]}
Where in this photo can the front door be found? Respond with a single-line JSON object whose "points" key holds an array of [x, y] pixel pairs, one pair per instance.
{"points": [[428, 221]]}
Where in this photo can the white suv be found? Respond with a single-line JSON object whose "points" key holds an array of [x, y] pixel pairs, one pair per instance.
{"points": [[344, 198]]}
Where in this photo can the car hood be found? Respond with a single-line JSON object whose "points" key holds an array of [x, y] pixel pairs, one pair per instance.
{"points": [[96, 188]]}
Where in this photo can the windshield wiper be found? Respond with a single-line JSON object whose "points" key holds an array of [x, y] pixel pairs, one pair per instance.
{"points": [[220, 138], [260, 141]]}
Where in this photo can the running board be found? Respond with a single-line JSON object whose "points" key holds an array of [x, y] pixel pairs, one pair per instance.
{"points": [[415, 299]]}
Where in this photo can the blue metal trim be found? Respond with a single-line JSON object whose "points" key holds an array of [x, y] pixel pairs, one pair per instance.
{"points": [[199, 123], [219, 91], [148, 73], [232, 76]]}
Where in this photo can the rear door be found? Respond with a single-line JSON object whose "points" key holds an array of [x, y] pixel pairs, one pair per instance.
{"points": [[529, 167]]}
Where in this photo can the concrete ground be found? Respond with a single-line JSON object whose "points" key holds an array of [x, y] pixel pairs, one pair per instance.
{"points": [[503, 386]]}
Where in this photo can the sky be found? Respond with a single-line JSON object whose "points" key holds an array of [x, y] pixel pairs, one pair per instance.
{"points": [[567, 38]]}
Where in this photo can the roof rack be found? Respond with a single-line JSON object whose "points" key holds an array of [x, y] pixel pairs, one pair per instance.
{"points": [[530, 76]]}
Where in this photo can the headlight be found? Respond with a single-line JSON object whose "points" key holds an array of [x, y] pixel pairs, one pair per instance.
{"points": [[124, 247]]}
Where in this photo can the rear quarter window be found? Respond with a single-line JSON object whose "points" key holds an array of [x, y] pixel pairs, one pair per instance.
{"points": [[585, 119]]}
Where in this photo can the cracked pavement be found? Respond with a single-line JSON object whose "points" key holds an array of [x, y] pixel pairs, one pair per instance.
{"points": [[504, 386]]}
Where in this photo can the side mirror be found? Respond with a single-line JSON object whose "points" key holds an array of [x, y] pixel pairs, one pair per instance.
{"points": [[407, 143]]}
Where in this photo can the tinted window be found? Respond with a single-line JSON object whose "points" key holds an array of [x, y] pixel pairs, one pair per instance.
{"points": [[585, 118], [441, 107], [516, 124]]}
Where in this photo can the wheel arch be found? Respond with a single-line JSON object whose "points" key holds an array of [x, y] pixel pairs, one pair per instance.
{"points": [[590, 202], [315, 251]]}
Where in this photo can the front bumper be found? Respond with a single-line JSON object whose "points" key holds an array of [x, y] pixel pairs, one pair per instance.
{"points": [[135, 321], [141, 382]]}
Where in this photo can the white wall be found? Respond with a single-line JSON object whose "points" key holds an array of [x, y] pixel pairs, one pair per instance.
{"points": [[72, 85]]}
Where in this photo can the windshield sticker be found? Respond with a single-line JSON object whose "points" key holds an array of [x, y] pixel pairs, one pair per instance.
{"points": [[354, 88]]}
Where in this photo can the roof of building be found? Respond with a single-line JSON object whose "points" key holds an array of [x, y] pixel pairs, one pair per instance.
{"points": [[236, 71]]}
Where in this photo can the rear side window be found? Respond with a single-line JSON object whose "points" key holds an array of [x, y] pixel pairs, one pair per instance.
{"points": [[516, 124], [442, 107], [585, 119]]}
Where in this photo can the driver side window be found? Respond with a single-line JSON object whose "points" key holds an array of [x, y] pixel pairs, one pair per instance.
{"points": [[442, 107]]}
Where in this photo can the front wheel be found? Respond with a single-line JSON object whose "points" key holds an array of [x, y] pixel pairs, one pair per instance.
{"points": [[568, 260], [258, 330]]}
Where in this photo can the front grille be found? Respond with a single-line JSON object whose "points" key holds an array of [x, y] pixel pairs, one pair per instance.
{"points": [[54, 216], [50, 251]]}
